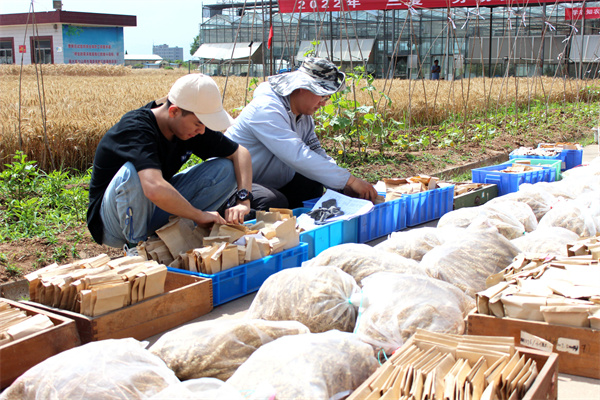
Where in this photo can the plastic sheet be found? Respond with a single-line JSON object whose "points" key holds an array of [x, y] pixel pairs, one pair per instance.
{"points": [[361, 260], [571, 215], [396, 305], [318, 297], [217, 348], [552, 240], [469, 259], [412, 244], [105, 370], [312, 366]]}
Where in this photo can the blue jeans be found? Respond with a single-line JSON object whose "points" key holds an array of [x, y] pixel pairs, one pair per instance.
{"points": [[128, 216]]}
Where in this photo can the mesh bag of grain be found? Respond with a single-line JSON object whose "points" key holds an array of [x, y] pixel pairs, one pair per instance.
{"points": [[460, 218], [587, 171], [318, 297], [506, 225], [519, 210], [312, 366], [395, 305], [361, 260], [470, 258], [591, 200], [104, 370], [199, 389], [552, 240], [556, 189], [571, 215], [217, 348], [414, 243], [539, 200]]}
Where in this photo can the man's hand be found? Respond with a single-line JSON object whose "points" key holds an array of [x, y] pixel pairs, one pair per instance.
{"points": [[208, 218], [356, 187], [236, 214]]}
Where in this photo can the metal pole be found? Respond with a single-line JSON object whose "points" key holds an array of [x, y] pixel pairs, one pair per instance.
{"points": [[272, 45], [490, 45], [542, 54], [582, 48], [331, 34]]}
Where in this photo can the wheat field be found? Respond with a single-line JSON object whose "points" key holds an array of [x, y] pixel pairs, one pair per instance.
{"points": [[82, 102]]}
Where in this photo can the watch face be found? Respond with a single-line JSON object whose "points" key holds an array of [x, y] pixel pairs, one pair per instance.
{"points": [[243, 194]]}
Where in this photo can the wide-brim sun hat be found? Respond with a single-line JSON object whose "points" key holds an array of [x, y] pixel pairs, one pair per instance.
{"points": [[200, 94], [318, 75]]}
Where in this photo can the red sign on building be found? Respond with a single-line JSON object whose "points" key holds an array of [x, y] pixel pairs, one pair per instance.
{"points": [[578, 13], [22, 48], [297, 6]]}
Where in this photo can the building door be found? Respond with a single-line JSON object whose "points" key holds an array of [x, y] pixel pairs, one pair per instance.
{"points": [[41, 50]]}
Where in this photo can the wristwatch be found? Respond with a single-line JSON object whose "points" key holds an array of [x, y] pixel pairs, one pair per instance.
{"points": [[243, 195]]}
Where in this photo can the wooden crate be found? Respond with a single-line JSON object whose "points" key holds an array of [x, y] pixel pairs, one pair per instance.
{"points": [[186, 297], [578, 349], [18, 356], [544, 387]]}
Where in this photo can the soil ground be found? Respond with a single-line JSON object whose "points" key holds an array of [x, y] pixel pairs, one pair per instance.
{"points": [[27, 255]]}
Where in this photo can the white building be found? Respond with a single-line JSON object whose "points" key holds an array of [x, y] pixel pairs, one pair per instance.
{"points": [[63, 37]]}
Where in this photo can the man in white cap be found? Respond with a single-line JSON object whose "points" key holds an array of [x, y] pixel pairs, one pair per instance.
{"points": [[288, 163], [135, 184]]}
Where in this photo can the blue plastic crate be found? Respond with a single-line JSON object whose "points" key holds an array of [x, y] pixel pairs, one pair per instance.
{"points": [[310, 203], [559, 156], [510, 182], [570, 157], [247, 278], [382, 220], [321, 237], [426, 206], [556, 164], [328, 235]]}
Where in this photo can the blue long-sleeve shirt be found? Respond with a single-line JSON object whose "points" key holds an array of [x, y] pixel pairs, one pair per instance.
{"points": [[282, 144]]}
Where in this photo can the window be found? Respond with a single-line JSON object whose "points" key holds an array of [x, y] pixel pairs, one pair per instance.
{"points": [[7, 53], [41, 50]]}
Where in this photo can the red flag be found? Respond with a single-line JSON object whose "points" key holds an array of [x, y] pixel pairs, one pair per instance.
{"points": [[270, 38]]}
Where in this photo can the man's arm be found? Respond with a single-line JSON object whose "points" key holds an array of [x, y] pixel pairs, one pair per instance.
{"points": [[356, 187], [242, 165], [165, 196]]}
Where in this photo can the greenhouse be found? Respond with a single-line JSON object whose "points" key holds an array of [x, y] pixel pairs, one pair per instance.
{"points": [[550, 40]]}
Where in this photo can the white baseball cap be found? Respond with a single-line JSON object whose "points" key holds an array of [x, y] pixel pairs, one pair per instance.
{"points": [[199, 94]]}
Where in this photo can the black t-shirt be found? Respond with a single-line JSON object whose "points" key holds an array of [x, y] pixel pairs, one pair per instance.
{"points": [[138, 139]]}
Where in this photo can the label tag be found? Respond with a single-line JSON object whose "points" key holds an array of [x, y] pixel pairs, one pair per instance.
{"points": [[568, 345], [535, 342]]}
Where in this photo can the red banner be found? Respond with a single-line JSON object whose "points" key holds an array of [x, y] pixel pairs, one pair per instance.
{"points": [[296, 6], [577, 13]]}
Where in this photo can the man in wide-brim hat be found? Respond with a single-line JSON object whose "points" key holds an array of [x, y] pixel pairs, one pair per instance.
{"points": [[288, 163]]}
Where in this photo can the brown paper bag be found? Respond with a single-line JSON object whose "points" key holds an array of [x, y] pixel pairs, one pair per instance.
{"points": [[155, 281], [229, 258]]}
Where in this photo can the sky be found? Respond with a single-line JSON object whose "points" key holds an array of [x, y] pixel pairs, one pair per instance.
{"points": [[170, 22]]}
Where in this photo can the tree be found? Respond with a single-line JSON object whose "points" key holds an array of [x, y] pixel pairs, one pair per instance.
{"points": [[195, 44]]}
